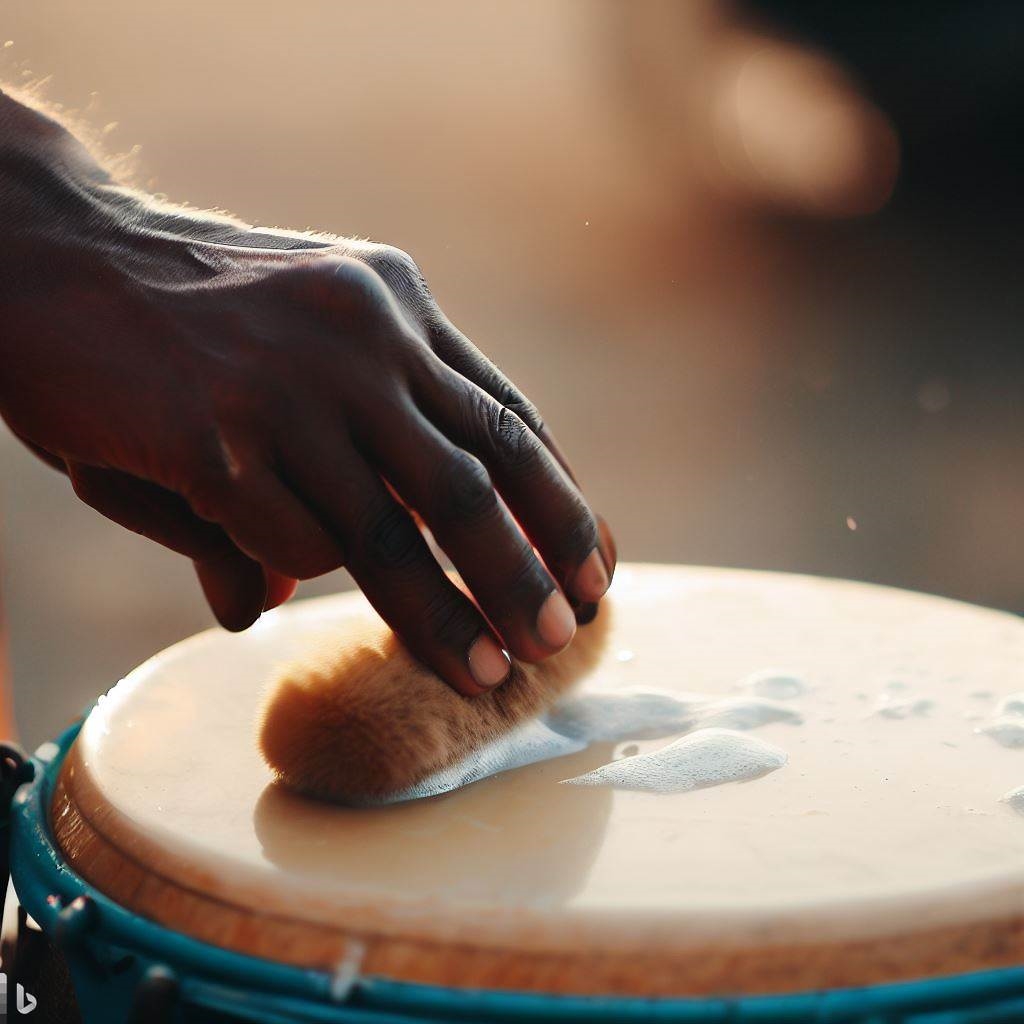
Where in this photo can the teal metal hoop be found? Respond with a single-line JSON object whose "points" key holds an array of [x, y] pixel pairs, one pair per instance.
{"points": [[114, 954]]}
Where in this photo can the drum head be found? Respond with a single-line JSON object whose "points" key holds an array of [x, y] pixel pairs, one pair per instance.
{"points": [[882, 850]]}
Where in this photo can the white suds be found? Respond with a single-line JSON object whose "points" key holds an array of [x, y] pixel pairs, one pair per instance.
{"points": [[1007, 731], [775, 685], [626, 715], [1011, 706], [709, 757], [1015, 798], [745, 713], [1007, 724], [649, 714], [889, 706]]}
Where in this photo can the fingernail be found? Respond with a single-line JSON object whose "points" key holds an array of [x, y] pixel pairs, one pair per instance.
{"points": [[591, 578], [555, 621], [488, 663], [585, 614]]}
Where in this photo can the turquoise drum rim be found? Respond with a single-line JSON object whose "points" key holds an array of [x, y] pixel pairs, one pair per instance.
{"points": [[217, 977]]}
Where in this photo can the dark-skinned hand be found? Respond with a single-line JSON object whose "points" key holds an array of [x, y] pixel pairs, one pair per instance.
{"points": [[275, 406]]}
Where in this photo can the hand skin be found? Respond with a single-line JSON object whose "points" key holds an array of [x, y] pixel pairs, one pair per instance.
{"points": [[275, 406]]}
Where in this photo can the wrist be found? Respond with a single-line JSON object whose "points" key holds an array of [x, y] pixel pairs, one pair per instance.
{"points": [[53, 200], [46, 174]]}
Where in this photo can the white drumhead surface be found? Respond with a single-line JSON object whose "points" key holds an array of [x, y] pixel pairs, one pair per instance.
{"points": [[887, 813]]}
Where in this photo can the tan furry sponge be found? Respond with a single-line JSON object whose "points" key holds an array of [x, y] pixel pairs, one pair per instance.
{"points": [[360, 719]]}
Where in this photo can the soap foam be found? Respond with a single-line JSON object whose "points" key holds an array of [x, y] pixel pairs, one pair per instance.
{"points": [[1015, 798], [575, 723], [531, 742], [1012, 706], [889, 706], [745, 713], [649, 714], [1007, 730], [775, 685], [626, 715], [1007, 724], [708, 757]]}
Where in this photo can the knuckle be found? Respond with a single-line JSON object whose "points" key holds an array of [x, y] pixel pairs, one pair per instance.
{"points": [[390, 539], [514, 400], [462, 488], [514, 445], [400, 272], [338, 283], [355, 282], [393, 264]]}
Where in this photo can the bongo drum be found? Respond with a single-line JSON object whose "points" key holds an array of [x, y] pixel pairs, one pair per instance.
{"points": [[878, 874]]}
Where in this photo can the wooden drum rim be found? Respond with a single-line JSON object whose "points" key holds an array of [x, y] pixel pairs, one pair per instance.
{"points": [[515, 949]]}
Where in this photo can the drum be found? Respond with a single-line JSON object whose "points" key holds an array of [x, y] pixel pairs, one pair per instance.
{"points": [[872, 871]]}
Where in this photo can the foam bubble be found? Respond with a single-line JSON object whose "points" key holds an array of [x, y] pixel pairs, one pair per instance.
{"points": [[896, 686], [889, 706], [775, 685], [626, 715], [576, 722], [746, 713], [1011, 706], [708, 757], [1015, 798], [531, 742], [1008, 731]]}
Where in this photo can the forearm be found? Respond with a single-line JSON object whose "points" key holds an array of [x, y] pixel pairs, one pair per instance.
{"points": [[56, 198]]}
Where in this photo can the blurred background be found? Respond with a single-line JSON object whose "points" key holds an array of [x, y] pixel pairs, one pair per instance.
{"points": [[758, 264]]}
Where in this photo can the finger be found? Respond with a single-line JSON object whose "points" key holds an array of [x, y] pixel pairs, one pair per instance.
{"points": [[543, 499], [235, 587], [453, 492], [265, 519], [390, 561], [586, 611], [455, 349], [234, 584], [605, 539], [466, 359], [279, 588]]}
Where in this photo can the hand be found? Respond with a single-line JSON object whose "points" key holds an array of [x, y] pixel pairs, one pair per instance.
{"points": [[275, 407]]}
